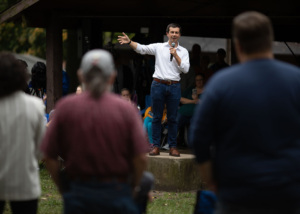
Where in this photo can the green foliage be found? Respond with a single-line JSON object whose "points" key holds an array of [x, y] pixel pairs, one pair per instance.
{"points": [[113, 36], [3, 5], [20, 39], [37, 41]]}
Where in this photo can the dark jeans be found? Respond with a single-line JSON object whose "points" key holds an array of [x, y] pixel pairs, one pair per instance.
{"points": [[225, 208], [21, 207], [142, 196], [183, 121], [95, 197], [162, 94]]}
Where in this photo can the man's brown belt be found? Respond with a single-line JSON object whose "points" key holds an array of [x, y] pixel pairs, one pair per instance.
{"points": [[166, 82]]}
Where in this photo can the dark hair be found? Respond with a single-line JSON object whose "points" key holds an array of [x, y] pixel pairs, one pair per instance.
{"points": [[196, 47], [253, 31], [200, 74], [173, 25], [39, 76], [125, 89], [13, 77], [221, 52]]}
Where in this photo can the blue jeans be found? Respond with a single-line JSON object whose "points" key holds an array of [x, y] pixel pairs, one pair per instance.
{"points": [[94, 197], [162, 94]]}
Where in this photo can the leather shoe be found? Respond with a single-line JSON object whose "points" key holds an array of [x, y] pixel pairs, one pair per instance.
{"points": [[174, 152], [154, 151]]}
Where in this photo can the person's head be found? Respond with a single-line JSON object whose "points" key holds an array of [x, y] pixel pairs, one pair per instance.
{"points": [[173, 32], [125, 94], [97, 71], [39, 76], [79, 89], [24, 64], [252, 33], [221, 54], [196, 50], [199, 80], [13, 77], [25, 67]]}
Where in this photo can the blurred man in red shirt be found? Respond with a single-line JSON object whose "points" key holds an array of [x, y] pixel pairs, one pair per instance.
{"points": [[101, 139]]}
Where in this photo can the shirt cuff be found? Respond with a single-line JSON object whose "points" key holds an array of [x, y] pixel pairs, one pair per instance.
{"points": [[138, 48]]}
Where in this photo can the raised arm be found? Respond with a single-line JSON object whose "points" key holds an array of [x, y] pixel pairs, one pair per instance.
{"points": [[184, 100], [124, 40]]}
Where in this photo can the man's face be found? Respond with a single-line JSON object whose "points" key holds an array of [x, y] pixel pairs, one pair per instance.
{"points": [[173, 34], [125, 95]]}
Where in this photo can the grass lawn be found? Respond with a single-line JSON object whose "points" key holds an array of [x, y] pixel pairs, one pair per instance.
{"points": [[171, 202], [163, 202]]}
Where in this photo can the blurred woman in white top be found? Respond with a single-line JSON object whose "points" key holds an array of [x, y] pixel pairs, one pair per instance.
{"points": [[21, 130]]}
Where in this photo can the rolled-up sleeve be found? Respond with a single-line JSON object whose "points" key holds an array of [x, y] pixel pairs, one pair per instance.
{"points": [[185, 62]]}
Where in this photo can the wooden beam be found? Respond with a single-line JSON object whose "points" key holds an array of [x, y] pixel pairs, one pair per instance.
{"points": [[16, 9], [54, 62]]}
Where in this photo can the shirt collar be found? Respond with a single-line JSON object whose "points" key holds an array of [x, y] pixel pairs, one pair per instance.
{"points": [[167, 44]]}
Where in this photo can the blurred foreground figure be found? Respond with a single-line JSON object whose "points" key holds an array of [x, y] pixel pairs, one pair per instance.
{"points": [[245, 131], [21, 130], [101, 139]]}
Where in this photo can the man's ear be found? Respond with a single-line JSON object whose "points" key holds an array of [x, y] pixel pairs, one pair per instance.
{"points": [[112, 78], [238, 50], [80, 76]]}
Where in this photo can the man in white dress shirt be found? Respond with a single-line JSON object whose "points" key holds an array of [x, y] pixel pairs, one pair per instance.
{"points": [[171, 60], [21, 130]]}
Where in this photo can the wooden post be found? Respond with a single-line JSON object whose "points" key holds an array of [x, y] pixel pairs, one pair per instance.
{"points": [[73, 60], [54, 62]]}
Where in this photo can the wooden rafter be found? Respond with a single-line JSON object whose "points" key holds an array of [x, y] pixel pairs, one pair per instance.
{"points": [[16, 9]]}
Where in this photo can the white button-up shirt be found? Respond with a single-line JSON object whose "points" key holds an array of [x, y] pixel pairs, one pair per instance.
{"points": [[164, 68]]}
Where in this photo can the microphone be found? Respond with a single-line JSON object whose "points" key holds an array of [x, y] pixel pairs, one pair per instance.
{"points": [[171, 57]]}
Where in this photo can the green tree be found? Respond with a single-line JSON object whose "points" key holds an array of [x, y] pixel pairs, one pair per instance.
{"points": [[20, 39]]}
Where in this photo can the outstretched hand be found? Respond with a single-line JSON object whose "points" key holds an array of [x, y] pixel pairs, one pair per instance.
{"points": [[123, 39]]}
